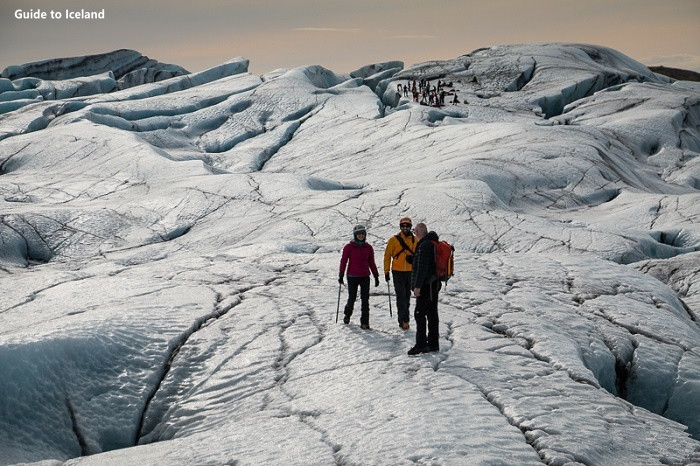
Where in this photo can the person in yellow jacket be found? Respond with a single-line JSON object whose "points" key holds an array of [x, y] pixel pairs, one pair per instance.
{"points": [[398, 257]]}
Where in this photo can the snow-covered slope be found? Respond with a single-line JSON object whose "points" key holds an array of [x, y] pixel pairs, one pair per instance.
{"points": [[169, 254], [121, 63], [63, 78]]}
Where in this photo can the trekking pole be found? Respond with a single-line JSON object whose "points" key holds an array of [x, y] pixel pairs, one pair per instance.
{"points": [[388, 288], [340, 286]]}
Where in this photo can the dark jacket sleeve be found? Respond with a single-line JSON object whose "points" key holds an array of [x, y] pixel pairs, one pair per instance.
{"points": [[372, 264], [423, 264], [344, 259]]}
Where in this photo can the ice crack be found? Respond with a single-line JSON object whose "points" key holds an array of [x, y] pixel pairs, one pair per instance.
{"points": [[84, 449], [220, 309]]}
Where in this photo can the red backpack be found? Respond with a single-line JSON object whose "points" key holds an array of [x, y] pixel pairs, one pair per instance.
{"points": [[444, 260]]}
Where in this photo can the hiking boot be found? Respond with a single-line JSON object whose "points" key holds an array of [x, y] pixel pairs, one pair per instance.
{"points": [[417, 350], [346, 319], [364, 326], [433, 349], [404, 326]]}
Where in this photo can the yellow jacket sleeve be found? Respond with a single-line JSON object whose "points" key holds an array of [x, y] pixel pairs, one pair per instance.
{"points": [[388, 253]]}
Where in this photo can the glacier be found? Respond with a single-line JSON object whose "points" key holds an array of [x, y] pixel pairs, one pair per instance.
{"points": [[169, 244]]}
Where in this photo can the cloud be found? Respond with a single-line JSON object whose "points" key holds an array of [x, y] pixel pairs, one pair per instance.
{"points": [[416, 37], [684, 61], [345, 30]]}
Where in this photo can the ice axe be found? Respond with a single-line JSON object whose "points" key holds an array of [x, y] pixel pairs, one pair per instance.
{"points": [[388, 288], [340, 286]]}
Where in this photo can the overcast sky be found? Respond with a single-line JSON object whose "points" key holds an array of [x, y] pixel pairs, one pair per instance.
{"points": [[344, 35]]}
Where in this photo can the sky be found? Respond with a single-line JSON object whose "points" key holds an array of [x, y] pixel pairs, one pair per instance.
{"points": [[345, 35]]}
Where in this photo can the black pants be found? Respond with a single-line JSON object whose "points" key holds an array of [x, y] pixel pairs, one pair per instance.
{"points": [[402, 286], [427, 310], [363, 283]]}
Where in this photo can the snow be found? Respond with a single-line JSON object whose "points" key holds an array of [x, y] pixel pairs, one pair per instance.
{"points": [[121, 63], [168, 261], [64, 78]]}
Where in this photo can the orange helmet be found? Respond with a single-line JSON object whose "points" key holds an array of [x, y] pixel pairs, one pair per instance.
{"points": [[405, 220]]}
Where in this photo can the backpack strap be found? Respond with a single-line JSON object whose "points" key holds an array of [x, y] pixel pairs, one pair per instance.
{"points": [[435, 251], [404, 247]]}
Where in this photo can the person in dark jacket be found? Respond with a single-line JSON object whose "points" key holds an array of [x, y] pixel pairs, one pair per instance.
{"points": [[398, 257], [426, 286], [358, 258]]}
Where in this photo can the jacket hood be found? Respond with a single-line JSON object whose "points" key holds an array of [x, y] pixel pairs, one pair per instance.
{"points": [[432, 236]]}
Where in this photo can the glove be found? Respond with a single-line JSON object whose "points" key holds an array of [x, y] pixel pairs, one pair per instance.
{"points": [[376, 281], [386, 277], [340, 280]]}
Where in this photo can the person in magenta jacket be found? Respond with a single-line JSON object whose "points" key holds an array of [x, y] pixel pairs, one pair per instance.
{"points": [[358, 258]]}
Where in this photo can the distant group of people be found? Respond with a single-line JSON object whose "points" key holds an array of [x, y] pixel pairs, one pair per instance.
{"points": [[426, 93], [410, 258]]}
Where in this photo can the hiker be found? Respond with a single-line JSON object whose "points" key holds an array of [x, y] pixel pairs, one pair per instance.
{"points": [[358, 257], [426, 286], [398, 257]]}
